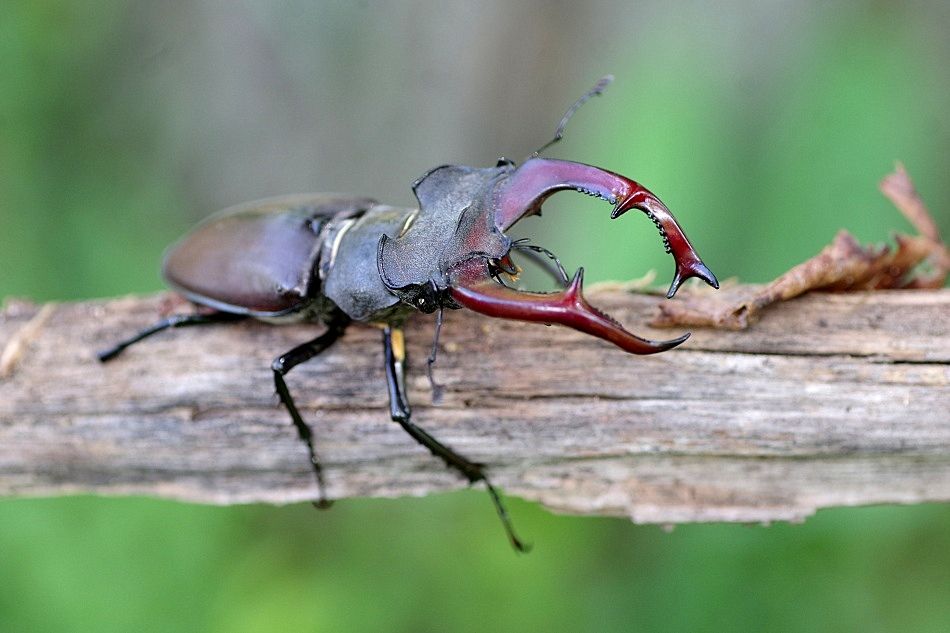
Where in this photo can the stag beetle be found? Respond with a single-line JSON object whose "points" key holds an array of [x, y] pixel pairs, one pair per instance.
{"points": [[338, 259]]}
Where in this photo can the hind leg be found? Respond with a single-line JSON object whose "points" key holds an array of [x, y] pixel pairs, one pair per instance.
{"points": [[176, 320]]}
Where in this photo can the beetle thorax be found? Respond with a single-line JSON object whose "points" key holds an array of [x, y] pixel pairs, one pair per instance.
{"points": [[454, 223]]}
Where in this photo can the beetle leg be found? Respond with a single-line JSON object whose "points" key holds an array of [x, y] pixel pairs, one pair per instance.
{"points": [[395, 354], [433, 353], [176, 320], [283, 364]]}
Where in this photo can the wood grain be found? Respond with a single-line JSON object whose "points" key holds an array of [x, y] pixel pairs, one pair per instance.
{"points": [[831, 400]]}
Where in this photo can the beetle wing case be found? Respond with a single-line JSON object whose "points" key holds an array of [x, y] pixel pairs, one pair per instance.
{"points": [[257, 258]]}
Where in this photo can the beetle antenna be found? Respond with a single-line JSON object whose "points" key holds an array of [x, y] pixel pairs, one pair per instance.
{"points": [[436, 387], [598, 89], [534, 252]]}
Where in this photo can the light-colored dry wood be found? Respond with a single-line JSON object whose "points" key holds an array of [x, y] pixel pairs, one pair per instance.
{"points": [[832, 399]]}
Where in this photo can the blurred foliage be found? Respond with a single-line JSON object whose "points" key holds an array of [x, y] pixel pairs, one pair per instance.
{"points": [[442, 564], [764, 127]]}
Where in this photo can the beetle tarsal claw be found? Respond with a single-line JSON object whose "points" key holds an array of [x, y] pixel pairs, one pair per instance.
{"points": [[471, 286]]}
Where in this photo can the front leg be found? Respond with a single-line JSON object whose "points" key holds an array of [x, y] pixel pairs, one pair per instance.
{"points": [[394, 349]]}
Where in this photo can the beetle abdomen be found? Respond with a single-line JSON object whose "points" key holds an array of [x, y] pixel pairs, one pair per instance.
{"points": [[257, 258]]}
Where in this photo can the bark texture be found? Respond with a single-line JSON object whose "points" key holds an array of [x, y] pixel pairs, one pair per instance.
{"points": [[831, 400]]}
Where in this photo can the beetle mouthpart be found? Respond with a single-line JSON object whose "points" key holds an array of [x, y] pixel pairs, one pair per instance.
{"points": [[691, 269], [688, 263], [472, 287], [530, 185], [505, 265]]}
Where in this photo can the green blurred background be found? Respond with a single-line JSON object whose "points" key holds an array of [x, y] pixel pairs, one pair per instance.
{"points": [[764, 126]]}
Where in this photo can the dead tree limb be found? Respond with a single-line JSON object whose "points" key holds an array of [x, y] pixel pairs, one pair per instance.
{"points": [[833, 399]]}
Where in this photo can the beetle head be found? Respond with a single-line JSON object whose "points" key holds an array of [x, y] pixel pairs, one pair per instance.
{"points": [[451, 254]]}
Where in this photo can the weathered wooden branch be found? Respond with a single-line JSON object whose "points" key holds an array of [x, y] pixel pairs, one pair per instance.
{"points": [[833, 399]]}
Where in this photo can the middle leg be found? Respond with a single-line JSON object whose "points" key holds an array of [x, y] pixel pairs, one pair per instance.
{"points": [[283, 364], [395, 353]]}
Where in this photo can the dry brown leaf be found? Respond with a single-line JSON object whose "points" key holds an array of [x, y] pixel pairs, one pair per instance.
{"points": [[844, 265]]}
